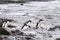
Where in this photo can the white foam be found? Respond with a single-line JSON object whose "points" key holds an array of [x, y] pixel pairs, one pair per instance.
{"points": [[15, 13]]}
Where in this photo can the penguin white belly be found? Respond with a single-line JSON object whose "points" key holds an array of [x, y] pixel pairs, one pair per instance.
{"points": [[39, 25], [28, 23], [25, 27]]}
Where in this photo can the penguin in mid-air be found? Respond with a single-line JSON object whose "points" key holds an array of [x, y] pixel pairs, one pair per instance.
{"points": [[26, 24]]}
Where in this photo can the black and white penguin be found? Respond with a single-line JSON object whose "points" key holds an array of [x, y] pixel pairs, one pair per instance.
{"points": [[2, 20], [3, 31], [4, 27], [38, 24], [26, 24]]}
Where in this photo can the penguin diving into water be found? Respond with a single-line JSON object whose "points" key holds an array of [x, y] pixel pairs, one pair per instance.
{"points": [[26, 25]]}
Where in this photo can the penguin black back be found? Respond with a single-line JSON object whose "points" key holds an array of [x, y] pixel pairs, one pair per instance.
{"points": [[28, 21]]}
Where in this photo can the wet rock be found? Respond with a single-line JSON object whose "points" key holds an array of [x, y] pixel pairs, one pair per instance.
{"points": [[1, 38], [50, 36], [1, 23], [53, 29], [4, 32], [57, 39], [17, 32], [28, 38], [11, 26], [57, 26]]}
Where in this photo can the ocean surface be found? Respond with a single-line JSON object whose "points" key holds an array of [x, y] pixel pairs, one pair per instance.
{"points": [[48, 11]]}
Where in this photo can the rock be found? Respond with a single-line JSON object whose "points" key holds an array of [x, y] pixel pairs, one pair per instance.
{"points": [[17, 32], [57, 39], [11, 26], [28, 38], [1, 38], [4, 32], [53, 29], [50, 36]]}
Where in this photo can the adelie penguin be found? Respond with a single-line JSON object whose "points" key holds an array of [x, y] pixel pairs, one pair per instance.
{"points": [[3, 26], [39, 24], [26, 25], [3, 31], [2, 20]]}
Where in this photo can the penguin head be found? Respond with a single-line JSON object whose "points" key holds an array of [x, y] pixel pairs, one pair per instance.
{"points": [[29, 21], [40, 20]]}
